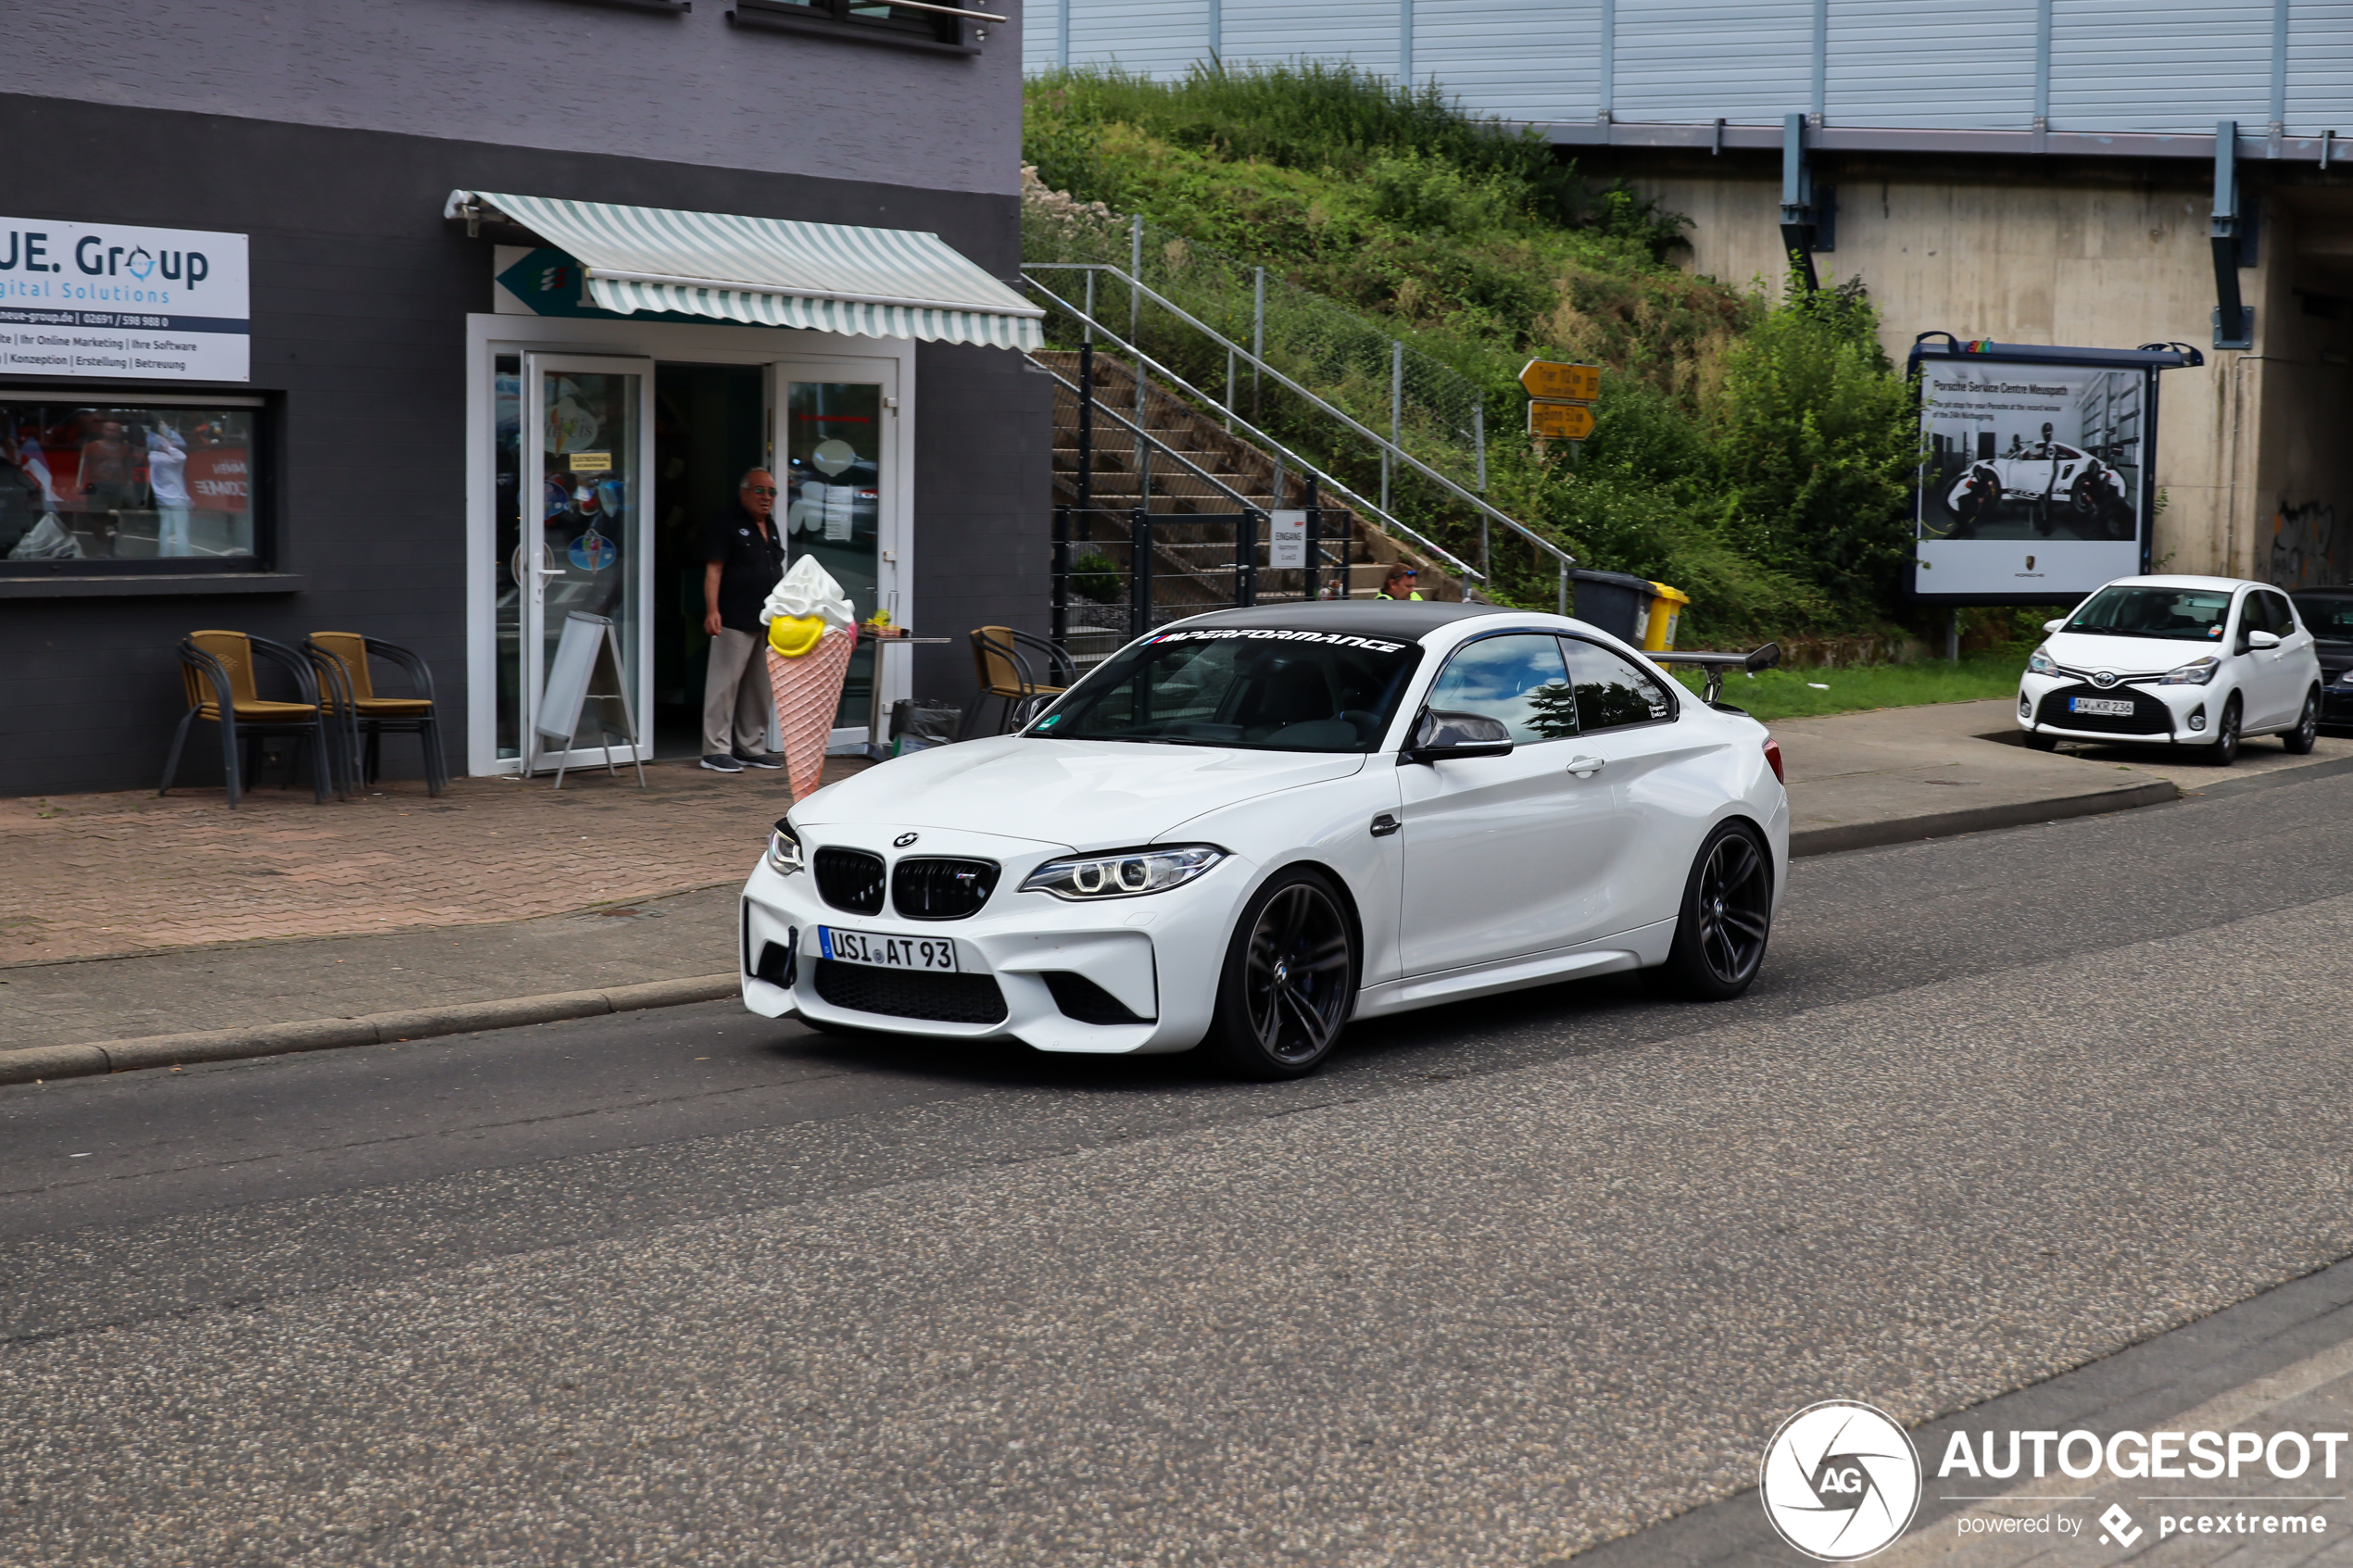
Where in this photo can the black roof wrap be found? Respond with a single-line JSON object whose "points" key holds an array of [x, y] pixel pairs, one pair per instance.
{"points": [[1409, 618]]}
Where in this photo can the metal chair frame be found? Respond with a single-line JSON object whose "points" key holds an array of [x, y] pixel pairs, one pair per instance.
{"points": [[1026, 696], [364, 734], [311, 731]]}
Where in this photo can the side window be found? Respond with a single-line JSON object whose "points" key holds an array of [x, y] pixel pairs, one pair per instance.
{"points": [[2283, 614], [2254, 616], [1517, 679], [1610, 691]]}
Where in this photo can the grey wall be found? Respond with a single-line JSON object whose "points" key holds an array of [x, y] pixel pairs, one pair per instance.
{"points": [[564, 75], [359, 296]]}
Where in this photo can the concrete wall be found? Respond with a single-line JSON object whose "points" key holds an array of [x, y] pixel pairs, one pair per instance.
{"points": [[566, 76], [360, 292], [2109, 258]]}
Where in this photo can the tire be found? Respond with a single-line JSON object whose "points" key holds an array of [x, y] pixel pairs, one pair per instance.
{"points": [[2299, 740], [1289, 981], [1726, 916], [2040, 742], [2225, 750]]}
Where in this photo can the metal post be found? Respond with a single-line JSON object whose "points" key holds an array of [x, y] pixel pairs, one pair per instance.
{"points": [[1246, 559], [1135, 274], [1953, 636], [1088, 337], [1564, 587], [1396, 411], [1229, 391], [1257, 337], [1139, 573], [1314, 542], [1062, 579], [1478, 439], [1143, 440], [1086, 428], [1486, 562]]}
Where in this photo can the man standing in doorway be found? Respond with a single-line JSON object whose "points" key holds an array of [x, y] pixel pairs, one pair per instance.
{"points": [[742, 559]]}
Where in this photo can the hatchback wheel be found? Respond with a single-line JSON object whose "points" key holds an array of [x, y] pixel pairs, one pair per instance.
{"points": [[2308, 727], [1288, 982], [2225, 749], [1727, 916]]}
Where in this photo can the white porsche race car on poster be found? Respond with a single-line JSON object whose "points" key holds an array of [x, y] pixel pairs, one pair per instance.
{"points": [[2058, 486], [1247, 828]]}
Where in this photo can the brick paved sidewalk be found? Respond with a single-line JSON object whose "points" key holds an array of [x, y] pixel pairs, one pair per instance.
{"points": [[83, 876]]}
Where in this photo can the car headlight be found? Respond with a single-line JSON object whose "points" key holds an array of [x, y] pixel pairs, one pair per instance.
{"points": [[2039, 663], [2197, 672], [1127, 874], [2345, 678], [783, 848]]}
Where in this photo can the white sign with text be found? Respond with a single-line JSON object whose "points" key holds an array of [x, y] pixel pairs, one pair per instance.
{"points": [[123, 301], [1285, 541]]}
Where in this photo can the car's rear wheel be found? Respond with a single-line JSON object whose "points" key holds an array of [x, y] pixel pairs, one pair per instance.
{"points": [[2225, 749], [2308, 727], [1289, 981], [1727, 916]]}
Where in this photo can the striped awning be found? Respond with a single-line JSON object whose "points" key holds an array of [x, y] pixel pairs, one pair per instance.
{"points": [[770, 272]]}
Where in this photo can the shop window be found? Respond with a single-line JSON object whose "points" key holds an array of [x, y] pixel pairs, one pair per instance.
{"points": [[130, 483], [933, 26]]}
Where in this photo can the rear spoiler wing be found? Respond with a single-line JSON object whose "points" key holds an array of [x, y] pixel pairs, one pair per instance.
{"points": [[1716, 664]]}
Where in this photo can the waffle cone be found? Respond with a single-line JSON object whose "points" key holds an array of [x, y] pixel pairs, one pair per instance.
{"points": [[807, 692]]}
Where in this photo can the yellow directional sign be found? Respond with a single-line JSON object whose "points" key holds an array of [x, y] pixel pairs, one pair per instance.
{"points": [[1559, 421], [1560, 382]]}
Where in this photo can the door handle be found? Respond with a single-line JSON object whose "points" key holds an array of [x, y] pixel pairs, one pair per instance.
{"points": [[1385, 824], [1586, 767]]}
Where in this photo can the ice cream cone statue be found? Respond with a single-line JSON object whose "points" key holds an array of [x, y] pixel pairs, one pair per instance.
{"points": [[812, 630]]}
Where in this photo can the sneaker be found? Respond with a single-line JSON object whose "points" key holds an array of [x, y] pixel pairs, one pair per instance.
{"points": [[723, 764], [768, 760]]}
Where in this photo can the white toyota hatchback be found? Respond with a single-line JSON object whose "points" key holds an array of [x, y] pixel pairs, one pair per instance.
{"points": [[1252, 826], [2188, 661]]}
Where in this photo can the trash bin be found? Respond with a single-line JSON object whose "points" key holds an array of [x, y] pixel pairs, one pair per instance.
{"points": [[1665, 608], [1617, 602]]}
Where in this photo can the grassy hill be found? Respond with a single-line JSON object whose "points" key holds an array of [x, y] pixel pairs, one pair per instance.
{"points": [[1752, 447]]}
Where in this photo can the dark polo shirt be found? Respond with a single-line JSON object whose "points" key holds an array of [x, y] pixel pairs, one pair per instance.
{"points": [[749, 563]]}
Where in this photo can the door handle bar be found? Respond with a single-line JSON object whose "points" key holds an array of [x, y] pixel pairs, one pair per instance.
{"points": [[1586, 767]]}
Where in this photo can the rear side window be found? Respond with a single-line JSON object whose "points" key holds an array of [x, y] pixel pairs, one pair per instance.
{"points": [[1517, 679], [1611, 691]]}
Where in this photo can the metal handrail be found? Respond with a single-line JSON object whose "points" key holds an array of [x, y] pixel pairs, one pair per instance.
{"points": [[1323, 479], [1149, 439], [1382, 443]]}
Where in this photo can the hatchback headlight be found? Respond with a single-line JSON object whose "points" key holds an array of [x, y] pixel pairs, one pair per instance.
{"points": [[2346, 679], [2039, 663], [783, 848], [2197, 672], [1127, 874]]}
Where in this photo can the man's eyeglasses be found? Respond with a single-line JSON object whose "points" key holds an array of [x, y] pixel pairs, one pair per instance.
{"points": [[766, 489]]}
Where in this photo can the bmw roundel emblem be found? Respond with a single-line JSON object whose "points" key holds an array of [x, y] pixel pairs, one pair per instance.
{"points": [[2105, 679], [903, 840]]}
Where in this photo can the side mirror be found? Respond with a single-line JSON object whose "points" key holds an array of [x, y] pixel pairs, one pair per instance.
{"points": [[2262, 639], [2058, 625], [1441, 735]]}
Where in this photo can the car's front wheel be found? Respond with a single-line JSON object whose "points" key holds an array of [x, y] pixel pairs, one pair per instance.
{"points": [[1727, 916], [2299, 740], [2225, 749], [1289, 981]]}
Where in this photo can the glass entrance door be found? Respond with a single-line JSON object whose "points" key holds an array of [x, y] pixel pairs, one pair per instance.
{"points": [[571, 503], [840, 443]]}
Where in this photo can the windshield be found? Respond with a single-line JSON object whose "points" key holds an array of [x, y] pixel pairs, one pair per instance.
{"points": [[2328, 615], [2188, 615], [1269, 688]]}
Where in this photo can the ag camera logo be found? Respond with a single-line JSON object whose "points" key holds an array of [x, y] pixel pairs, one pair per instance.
{"points": [[1840, 1480]]}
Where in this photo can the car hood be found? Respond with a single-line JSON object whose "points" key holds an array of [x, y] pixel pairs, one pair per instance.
{"points": [[1083, 795], [2126, 656]]}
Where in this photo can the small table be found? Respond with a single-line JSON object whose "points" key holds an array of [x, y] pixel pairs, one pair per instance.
{"points": [[876, 746]]}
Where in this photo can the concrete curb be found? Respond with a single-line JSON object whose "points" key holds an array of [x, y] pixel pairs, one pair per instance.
{"points": [[1978, 819], [42, 1063]]}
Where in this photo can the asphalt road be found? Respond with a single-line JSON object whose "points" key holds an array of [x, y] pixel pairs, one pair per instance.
{"points": [[1501, 1283]]}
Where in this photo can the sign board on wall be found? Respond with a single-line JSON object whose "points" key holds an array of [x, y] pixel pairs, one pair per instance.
{"points": [[2034, 481], [124, 302]]}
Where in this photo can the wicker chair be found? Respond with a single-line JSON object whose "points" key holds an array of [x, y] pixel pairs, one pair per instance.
{"points": [[364, 719], [1005, 672], [217, 675]]}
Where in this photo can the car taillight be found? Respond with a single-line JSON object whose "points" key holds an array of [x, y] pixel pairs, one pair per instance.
{"points": [[1773, 758]]}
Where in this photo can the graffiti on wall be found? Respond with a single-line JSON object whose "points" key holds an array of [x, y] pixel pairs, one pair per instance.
{"points": [[2306, 546]]}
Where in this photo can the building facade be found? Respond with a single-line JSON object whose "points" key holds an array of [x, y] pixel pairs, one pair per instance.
{"points": [[274, 366], [2039, 171]]}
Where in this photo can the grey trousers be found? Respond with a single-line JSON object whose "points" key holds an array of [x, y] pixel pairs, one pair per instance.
{"points": [[736, 696]]}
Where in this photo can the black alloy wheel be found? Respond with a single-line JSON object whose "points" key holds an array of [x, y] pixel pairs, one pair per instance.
{"points": [[2225, 749], [1290, 979], [1727, 916], [2299, 740]]}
